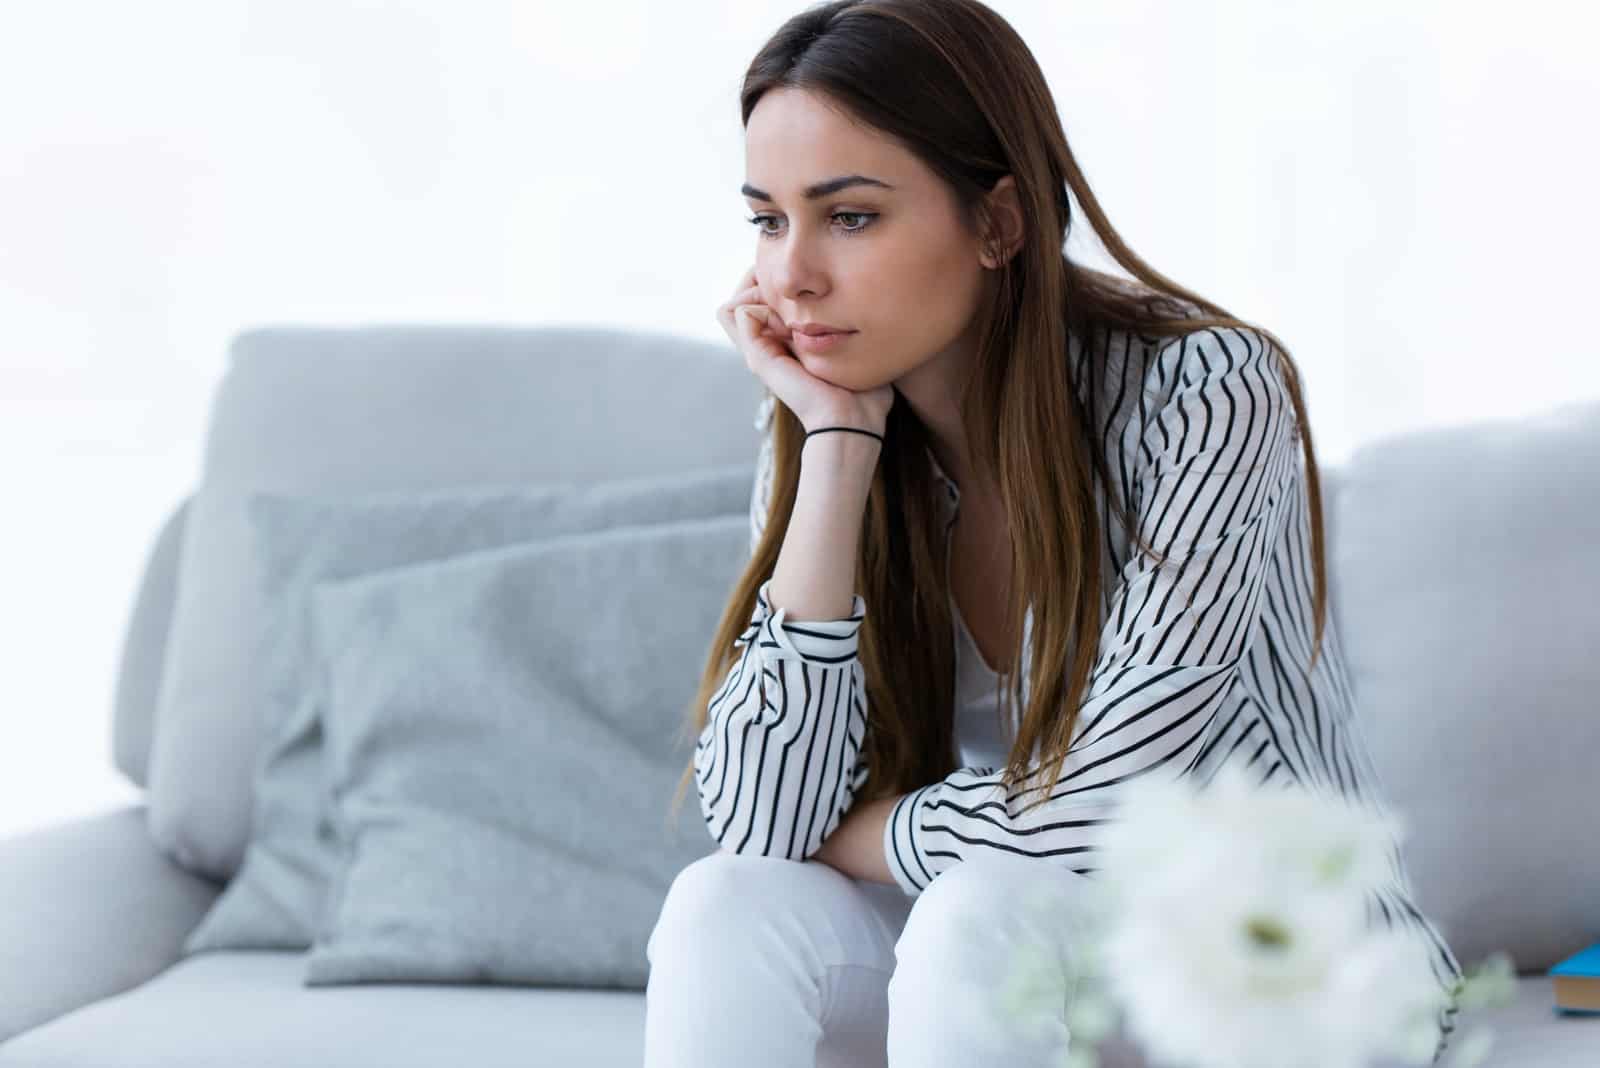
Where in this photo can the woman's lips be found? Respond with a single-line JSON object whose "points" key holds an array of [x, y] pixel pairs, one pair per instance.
{"points": [[819, 342]]}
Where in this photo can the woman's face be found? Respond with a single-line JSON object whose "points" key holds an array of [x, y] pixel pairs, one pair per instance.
{"points": [[891, 261]]}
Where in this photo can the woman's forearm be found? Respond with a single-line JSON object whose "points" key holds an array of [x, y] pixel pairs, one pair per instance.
{"points": [[815, 573], [856, 846]]}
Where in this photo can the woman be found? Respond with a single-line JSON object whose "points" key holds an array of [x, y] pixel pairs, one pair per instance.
{"points": [[996, 441]]}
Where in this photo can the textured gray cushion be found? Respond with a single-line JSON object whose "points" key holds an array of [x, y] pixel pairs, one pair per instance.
{"points": [[372, 408], [504, 733], [274, 900]]}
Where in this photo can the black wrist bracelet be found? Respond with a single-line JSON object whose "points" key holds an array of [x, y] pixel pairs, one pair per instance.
{"points": [[853, 430]]}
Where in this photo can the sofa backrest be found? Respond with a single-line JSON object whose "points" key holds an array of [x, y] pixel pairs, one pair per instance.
{"points": [[430, 405], [1463, 586]]}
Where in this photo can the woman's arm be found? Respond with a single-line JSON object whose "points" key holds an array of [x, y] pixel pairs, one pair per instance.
{"points": [[780, 759], [1218, 462], [856, 848]]}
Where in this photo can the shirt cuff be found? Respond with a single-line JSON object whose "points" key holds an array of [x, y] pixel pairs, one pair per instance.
{"points": [[910, 865], [827, 642]]}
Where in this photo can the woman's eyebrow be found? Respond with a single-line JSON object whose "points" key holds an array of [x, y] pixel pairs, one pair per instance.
{"points": [[819, 189]]}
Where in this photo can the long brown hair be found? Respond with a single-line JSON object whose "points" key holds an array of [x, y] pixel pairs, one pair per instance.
{"points": [[953, 82]]}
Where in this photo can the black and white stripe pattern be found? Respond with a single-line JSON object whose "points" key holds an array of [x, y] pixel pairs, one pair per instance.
{"points": [[1200, 661], [781, 758]]}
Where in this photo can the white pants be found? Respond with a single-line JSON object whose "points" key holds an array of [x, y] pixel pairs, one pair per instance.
{"points": [[784, 964]]}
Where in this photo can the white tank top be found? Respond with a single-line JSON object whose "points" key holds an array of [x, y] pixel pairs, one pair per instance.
{"points": [[980, 740]]}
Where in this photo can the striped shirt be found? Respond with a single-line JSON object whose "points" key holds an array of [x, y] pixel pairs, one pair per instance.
{"points": [[1201, 661]]}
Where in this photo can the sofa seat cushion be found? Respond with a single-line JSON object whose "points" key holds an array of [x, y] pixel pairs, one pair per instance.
{"points": [[1529, 1033], [251, 1010]]}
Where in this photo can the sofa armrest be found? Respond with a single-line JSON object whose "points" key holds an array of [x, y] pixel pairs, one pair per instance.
{"points": [[88, 908]]}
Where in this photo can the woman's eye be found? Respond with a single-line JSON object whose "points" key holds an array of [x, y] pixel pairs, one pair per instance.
{"points": [[846, 230]]}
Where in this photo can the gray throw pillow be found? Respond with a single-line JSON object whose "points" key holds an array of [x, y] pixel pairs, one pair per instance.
{"points": [[274, 900], [504, 734]]}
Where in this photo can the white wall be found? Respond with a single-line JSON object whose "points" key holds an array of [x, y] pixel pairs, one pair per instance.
{"points": [[1403, 192]]}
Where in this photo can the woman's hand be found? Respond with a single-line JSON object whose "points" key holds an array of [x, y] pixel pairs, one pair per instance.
{"points": [[762, 337]]}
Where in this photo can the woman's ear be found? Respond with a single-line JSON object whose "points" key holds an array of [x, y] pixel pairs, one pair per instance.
{"points": [[1004, 227]]}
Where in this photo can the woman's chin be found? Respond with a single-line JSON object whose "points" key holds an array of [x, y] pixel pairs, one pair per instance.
{"points": [[834, 372]]}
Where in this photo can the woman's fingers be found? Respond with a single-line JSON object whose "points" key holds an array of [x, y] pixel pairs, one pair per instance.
{"points": [[759, 332], [752, 297]]}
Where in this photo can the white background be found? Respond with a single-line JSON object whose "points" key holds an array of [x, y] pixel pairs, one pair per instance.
{"points": [[1403, 192]]}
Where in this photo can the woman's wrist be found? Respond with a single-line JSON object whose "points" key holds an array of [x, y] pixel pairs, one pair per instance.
{"points": [[841, 451]]}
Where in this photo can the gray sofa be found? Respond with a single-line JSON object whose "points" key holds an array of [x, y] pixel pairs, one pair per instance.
{"points": [[1463, 575]]}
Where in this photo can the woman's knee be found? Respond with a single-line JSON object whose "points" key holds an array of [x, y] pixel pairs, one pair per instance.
{"points": [[708, 894], [951, 915], [733, 897], [983, 904]]}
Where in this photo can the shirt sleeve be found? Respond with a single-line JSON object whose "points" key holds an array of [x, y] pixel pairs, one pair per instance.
{"points": [[780, 759], [1216, 464], [761, 491]]}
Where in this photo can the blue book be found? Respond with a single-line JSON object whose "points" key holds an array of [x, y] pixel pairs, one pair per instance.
{"points": [[1577, 983]]}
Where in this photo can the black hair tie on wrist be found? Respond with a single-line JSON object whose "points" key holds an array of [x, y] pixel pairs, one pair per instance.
{"points": [[853, 430]]}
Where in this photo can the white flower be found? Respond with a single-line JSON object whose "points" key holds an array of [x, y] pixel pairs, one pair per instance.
{"points": [[1234, 931]]}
